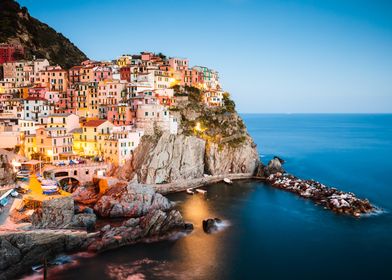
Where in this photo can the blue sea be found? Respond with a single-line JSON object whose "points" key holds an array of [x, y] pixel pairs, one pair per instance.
{"points": [[272, 234]]}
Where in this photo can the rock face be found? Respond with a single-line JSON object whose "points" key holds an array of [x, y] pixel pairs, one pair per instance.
{"points": [[225, 159], [210, 140], [180, 157], [134, 200], [171, 158]]}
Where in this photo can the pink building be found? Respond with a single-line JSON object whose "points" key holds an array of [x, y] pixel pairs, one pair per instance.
{"points": [[102, 73], [37, 92], [67, 102], [179, 64], [120, 114], [54, 78]]}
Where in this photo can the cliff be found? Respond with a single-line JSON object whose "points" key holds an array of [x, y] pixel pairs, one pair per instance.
{"points": [[211, 141], [37, 38]]}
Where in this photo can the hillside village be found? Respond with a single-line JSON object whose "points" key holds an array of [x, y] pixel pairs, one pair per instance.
{"points": [[98, 110]]}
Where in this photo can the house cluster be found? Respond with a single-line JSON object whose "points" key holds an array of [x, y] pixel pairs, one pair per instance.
{"points": [[95, 109]]}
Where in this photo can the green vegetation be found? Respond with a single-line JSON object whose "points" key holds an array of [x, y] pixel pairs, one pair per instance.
{"points": [[228, 103]]}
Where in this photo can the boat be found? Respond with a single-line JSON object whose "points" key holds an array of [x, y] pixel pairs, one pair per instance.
{"points": [[23, 174], [49, 186], [190, 191], [227, 181], [201, 191]]}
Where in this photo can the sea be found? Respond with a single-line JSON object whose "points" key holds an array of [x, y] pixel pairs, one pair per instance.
{"points": [[269, 233]]}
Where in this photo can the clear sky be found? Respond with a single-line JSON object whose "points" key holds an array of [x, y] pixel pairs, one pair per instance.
{"points": [[281, 56]]}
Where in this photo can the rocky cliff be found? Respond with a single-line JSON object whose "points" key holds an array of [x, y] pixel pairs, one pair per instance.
{"points": [[210, 141], [37, 38]]}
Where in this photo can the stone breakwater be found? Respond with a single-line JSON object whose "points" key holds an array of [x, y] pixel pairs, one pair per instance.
{"points": [[330, 198]]}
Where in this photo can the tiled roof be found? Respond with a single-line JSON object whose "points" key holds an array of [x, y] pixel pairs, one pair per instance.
{"points": [[94, 123]]}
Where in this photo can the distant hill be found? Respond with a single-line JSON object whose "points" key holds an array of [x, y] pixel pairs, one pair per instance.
{"points": [[39, 39]]}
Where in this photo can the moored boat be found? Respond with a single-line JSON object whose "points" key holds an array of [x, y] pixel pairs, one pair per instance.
{"points": [[190, 191], [49, 186], [201, 191], [227, 181]]}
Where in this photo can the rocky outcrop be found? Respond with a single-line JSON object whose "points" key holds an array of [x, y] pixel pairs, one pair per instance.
{"points": [[148, 216], [134, 200], [178, 157], [20, 250], [329, 197], [210, 140], [153, 226], [59, 213], [274, 166], [226, 159]]}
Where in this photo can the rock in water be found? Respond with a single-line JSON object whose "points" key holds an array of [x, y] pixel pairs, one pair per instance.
{"points": [[134, 200], [211, 225], [274, 166]]}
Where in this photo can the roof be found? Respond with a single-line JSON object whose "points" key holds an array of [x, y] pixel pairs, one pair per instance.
{"points": [[94, 123]]}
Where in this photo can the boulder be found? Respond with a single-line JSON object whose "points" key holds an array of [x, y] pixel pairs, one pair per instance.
{"points": [[274, 166], [211, 225], [55, 213], [86, 195], [134, 200], [85, 221]]}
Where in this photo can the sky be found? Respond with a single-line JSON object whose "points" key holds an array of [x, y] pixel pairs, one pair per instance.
{"points": [[282, 56]]}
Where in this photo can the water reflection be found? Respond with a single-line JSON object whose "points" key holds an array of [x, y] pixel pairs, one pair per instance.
{"points": [[198, 252]]}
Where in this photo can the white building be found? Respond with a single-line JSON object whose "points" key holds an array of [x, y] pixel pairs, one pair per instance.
{"points": [[37, 109]]}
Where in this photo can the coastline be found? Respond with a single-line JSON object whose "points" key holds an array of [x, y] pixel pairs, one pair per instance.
{"points": [[183, 185]]}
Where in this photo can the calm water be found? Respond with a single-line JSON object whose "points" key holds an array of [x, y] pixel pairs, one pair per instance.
{"points": [[272, 234]]}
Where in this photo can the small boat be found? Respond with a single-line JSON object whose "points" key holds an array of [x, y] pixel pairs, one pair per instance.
{"points": [[227, 181], [49, 186], [190, 191], [14, 193], [201, 191], [23, 174]]}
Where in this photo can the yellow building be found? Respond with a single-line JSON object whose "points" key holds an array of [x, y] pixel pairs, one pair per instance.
{"points": [[87, 139]]}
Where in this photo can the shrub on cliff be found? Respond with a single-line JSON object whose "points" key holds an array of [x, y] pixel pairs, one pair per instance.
{"points": [[228, 103]]}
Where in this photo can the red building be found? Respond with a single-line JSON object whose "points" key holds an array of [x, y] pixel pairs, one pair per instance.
{"points": [[125, 73], [10, 52]]}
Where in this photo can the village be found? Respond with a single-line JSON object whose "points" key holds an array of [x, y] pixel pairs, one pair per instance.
{"points": [[67, 126]]}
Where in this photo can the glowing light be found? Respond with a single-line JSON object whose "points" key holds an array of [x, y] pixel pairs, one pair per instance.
{"points": [[49, 153], [198, 127]]}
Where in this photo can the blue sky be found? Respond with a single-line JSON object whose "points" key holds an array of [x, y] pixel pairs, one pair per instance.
{"points": [[280, 56]]}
